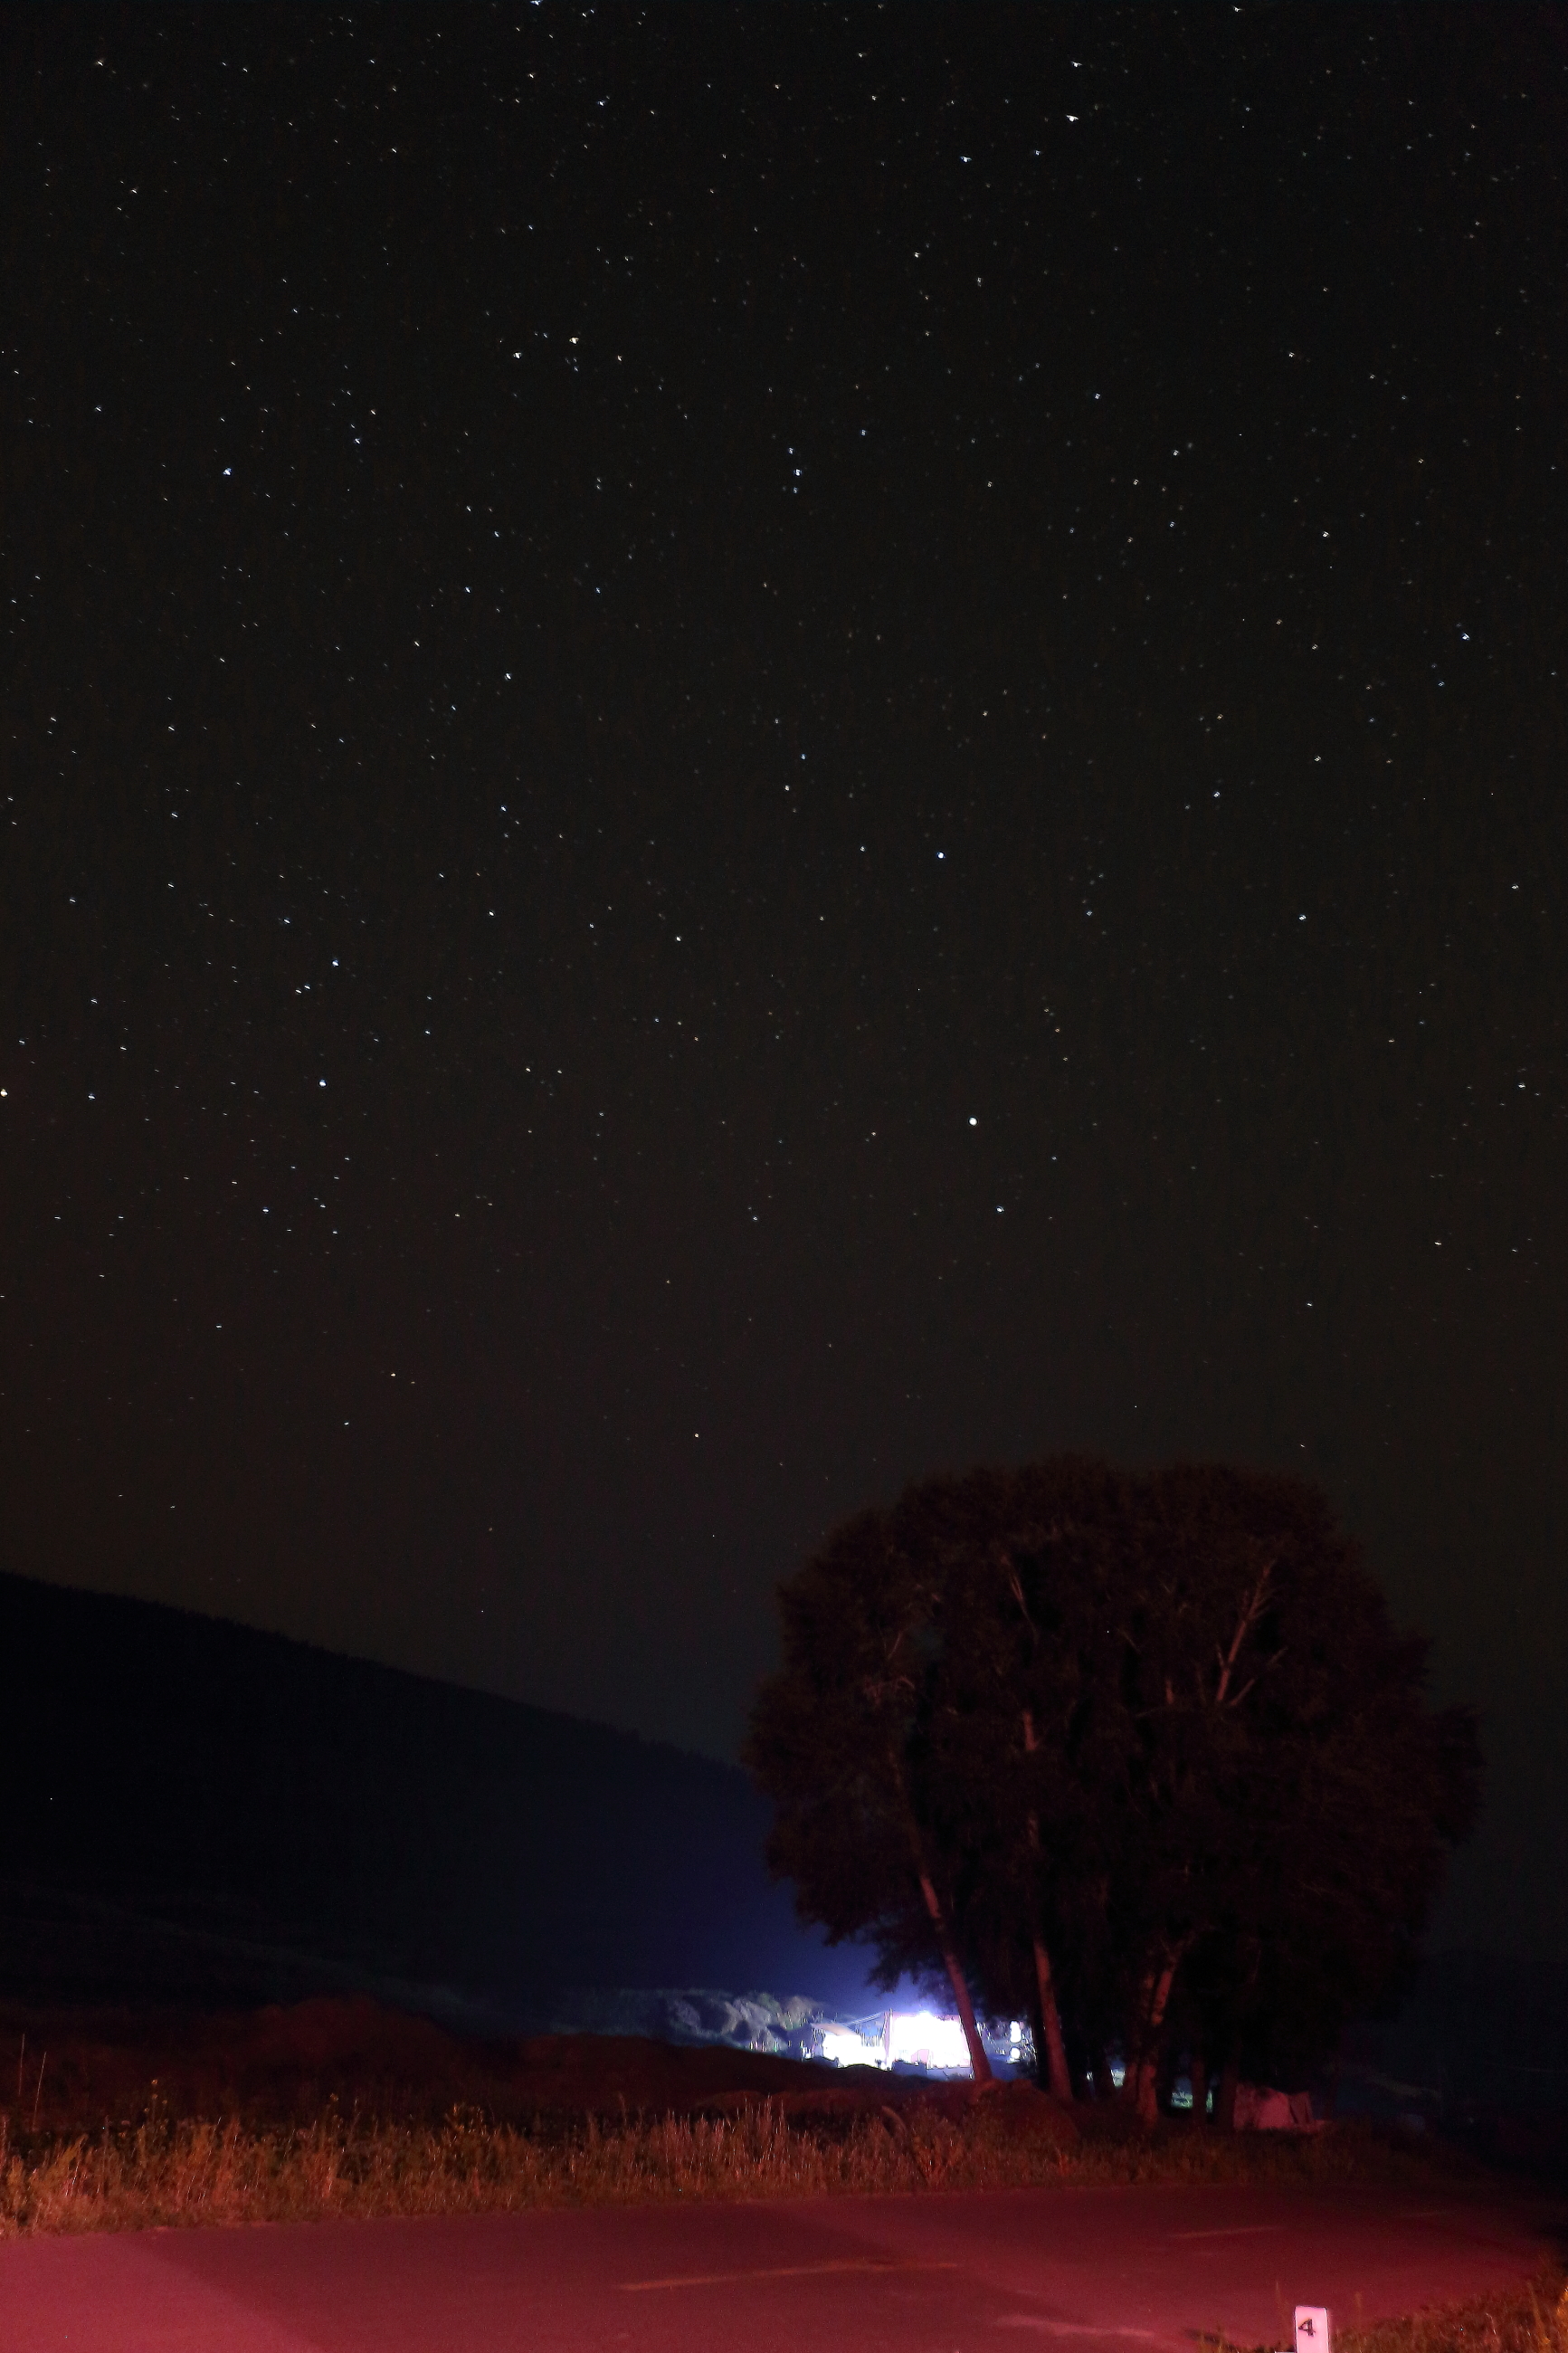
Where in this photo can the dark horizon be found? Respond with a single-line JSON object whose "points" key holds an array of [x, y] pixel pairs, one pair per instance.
{"points": [[754, 750], [240, 1819]]}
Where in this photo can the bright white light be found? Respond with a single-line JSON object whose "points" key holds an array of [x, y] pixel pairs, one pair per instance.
{"points": [[918, 2038], [924, 2040], [845, 2048]]}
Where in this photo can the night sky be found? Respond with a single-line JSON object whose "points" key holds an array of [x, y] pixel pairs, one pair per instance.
{"points": [[752, 749]]}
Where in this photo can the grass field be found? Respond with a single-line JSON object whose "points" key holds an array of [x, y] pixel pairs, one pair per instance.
{"points": [[163, 2171]]}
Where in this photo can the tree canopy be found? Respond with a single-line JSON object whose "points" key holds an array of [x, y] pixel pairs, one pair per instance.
{"points": [[1140, 1754]]}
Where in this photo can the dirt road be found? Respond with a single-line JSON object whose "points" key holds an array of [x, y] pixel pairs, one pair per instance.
{"points": [[1109, 2271]]}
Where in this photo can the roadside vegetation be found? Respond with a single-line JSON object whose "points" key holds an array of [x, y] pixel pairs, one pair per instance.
{"points": [[1532, 2319], [1529, 2319], [163, 2171]]}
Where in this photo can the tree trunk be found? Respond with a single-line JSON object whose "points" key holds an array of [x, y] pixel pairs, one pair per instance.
{"points": [[980, 2066], [1225, 2096], [1134, 2043], [1140, 2087], [1058, 2074]]}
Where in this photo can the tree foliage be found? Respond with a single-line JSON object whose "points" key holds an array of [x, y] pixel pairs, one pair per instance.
{"points": [[841, 1741], [1140, 1754]]}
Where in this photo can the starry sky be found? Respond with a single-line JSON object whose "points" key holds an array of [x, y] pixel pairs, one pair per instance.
{"points": [[750, 749]]}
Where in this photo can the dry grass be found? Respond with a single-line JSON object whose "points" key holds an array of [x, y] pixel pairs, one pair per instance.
{"points": [[196, 2171], [1532, 2319], [1529, 2319]]}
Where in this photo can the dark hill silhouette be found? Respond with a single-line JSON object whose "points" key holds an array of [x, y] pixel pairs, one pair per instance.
{"points": [[194, 1811]]}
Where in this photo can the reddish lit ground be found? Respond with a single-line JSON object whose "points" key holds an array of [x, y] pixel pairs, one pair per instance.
{"points": [[1095, 2268]]}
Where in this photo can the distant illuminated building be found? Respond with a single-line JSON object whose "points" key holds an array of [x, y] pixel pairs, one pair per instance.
{"points": [[911, 2038]]}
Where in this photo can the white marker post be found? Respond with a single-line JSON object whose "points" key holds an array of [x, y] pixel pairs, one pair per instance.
{"points": [[1313, 2331]]}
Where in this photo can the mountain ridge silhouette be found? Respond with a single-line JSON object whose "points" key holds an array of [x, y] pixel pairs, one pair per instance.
{"points": [[201, 1810]]}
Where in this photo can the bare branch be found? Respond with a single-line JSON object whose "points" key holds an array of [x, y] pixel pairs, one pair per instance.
{"points": [[1226, 1659]]}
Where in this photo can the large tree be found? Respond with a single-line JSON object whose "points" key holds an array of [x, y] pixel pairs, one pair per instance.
{"points": [[1142, 1752]]}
